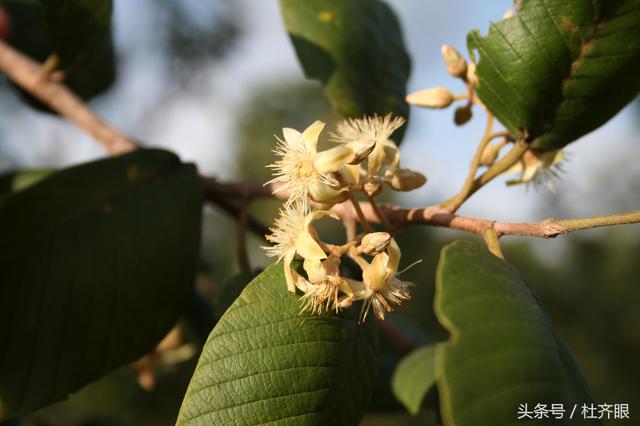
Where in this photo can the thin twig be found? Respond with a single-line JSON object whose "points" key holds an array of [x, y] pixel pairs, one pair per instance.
{"points": [[465, 192], [383, 219], [243, 256], [361, 217], [27, 74]]}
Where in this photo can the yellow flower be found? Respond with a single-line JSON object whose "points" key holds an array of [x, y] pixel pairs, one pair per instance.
{"points": [[537, 167], [293, 234], [374, 128], [306, 173], [380, 287]]}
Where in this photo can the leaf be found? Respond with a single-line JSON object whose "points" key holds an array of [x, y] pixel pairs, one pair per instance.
{"points": [[265, 362], [559, 69], [79, 31], [17, 181], [503, 350], [355, 48], [96, 264], [414, 377]]}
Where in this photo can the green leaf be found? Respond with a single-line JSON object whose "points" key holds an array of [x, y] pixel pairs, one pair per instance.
{"points": [[265, 362], [17, 181], [414, 377], [503, 350], [96, 264], [79, 31], [560, 69], [355, 48]]}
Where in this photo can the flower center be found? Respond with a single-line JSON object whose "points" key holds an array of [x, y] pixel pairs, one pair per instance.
{"points": [[304, 169]]}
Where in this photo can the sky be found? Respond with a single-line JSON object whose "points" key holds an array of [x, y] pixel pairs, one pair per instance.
{"points": [[198, 122]]}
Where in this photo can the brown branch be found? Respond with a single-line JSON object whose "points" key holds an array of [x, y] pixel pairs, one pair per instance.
{"points": [[29, 75]]}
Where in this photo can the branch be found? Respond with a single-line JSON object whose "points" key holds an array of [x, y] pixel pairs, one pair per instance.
{"points": [[28, 74]]}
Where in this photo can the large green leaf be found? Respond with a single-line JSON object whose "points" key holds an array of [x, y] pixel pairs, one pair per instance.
{"points": [[79, 31], [559, 69], [96, 263], [503, 350], [355, 48], [265, 362]]}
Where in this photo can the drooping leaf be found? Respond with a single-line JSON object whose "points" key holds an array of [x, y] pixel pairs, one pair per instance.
{"points": [[559, 69], [503, 350], [355, 48], [78, 31], [265, 362], [414, 377], [398, 337], [96, 263]]}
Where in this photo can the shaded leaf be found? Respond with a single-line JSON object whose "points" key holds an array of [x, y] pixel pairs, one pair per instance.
{"points": [[559, 69], [414, 377], [96, 264], [503, 350], [355, 48], [265, 362]]}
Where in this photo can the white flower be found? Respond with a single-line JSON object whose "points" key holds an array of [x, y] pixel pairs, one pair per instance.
{"points": [[293, 234], [374, 128], [306, 173], [537, 167]]}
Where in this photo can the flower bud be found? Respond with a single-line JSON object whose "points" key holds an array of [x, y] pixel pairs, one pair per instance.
{"points": [[472, 78], [508, 14], [372, 188], [406, 180], [361, 150], [462, 115], [437, 97], [456, 64], [489, 154], [374, 243]]}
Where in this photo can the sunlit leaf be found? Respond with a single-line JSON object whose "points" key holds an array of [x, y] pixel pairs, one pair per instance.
{"points": [[265, 362], [559, 69]]}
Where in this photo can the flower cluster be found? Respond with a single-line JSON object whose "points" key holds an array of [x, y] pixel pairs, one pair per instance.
{"points": [[363, 160], [535, 167]]}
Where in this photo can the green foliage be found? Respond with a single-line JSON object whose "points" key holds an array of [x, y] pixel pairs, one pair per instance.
{"points": [[78, 31], [96, 265], [355, 48], [265, 362], [503, 350], [414, 376], [558, 70]]}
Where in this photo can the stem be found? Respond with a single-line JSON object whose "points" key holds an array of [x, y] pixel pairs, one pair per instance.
{"points": [[383, 218], [361, 217], [243, 257], [27, 74], [517, 151], [595, 222], [493, 243], [467, 188]]}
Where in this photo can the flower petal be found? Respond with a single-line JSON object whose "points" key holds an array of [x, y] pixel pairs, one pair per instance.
{"points": [[311, 134], [333, 159], [308, 247]]}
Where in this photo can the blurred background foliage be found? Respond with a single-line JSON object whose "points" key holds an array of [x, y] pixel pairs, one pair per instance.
{"points": [[588, 281]]}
